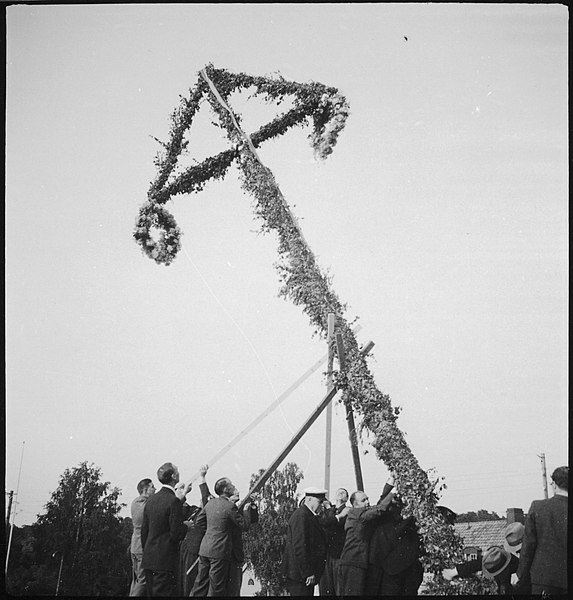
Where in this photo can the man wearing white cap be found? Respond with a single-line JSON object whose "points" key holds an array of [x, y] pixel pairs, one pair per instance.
{"points": [[305, 550]]}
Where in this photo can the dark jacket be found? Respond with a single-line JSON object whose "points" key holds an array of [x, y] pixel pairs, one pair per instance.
{"points": [[161, 531], [394, 545], [305, 549], [544, 549], [334, 529], [360, 523], [503, 579]]}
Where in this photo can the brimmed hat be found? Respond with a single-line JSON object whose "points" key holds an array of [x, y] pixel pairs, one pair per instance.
{"points": [[495, 560], [448, 514], [315, 492], [514, 537]]}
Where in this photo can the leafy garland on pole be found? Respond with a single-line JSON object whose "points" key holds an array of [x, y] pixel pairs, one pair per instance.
{"points": [[301, 278]]}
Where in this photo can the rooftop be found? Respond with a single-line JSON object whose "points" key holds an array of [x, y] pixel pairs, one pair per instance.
{"points": [[482, 534]]}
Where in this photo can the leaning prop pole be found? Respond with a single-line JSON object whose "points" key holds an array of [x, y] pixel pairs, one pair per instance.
{"points": [[266, 412], [350, 420], [292, 443], [295, 439]]}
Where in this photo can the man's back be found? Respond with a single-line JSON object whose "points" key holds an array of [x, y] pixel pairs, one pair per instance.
{"points": [[222, 518], [544, 549], [162, 530], [137, 507]]}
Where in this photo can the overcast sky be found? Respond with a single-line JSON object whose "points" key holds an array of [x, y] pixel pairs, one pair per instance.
{"points": [[442, 216]]}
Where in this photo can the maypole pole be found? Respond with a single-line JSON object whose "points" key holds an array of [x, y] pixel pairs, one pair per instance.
{"points": [[302, 280]]}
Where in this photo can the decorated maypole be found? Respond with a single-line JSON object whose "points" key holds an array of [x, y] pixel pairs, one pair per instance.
{"points": [[301, 279]]}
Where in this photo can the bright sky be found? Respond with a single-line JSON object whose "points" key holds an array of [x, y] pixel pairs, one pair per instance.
{"points": [[442, 216]]}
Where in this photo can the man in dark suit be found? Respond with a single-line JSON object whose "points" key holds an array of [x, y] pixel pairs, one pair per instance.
{"points": [[360, 523], [333, 519], [161, 531], [305, 550], [235, 578], [216, 550], [394, 567], [544, 548], [189, 548]]}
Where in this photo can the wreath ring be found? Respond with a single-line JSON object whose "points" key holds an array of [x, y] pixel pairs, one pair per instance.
{"points": [[163, 250]]}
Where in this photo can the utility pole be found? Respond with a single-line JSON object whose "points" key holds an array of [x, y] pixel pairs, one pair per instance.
{"points": [[544, 474], [12, 526], [11, 496]]}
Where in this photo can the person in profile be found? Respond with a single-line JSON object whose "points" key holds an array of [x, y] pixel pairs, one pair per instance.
{"points": [[304, 555], [145, 488], [332, 520], [216, 551]]}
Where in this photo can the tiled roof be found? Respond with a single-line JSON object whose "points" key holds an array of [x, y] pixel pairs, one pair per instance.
{"points": [[482, 534]]}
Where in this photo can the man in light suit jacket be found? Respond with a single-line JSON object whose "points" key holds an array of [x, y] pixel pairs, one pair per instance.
{"points": [[146, 489], [304, 556], [161, 531], [544, 548], [216, 550]]}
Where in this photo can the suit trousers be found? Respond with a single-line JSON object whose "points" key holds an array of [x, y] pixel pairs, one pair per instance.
{"points": [[298, 588], [405, 583], [212, 577], [351, 580], [538, 590], [138, 587], [235, 579], [160, 583], [328, 582], [373, 580]]}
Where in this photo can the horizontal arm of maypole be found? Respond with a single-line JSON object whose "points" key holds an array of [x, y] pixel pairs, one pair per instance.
{"points": [[266, 412], [298, 435]]}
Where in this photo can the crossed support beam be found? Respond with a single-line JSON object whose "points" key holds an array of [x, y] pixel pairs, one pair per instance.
{"points": [[298, 435]]}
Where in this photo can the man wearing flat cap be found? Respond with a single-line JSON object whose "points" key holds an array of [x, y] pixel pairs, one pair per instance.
{"points": [[305, 550]]}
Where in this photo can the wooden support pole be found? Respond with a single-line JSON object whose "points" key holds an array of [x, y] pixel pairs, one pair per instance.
{"points": [[303, 429], [354, 448], [350, 420], [266, 412], [328, 441]]}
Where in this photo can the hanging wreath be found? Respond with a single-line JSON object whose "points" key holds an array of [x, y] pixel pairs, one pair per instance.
{"points": [[163, 250]]}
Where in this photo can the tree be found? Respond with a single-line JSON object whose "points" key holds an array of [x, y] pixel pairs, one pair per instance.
{"points": [[81, 526], [265, 541], [481, 515]]}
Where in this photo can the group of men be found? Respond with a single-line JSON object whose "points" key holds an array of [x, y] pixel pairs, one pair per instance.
{"points": [[183, 550], [356, 550], [533, 558], [352, 550]]}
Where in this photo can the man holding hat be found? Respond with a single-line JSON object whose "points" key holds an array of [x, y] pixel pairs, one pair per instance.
{"points": [[305, 550]]}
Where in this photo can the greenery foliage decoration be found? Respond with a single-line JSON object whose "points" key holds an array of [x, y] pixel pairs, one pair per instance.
{"points": [[302, 281]]}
